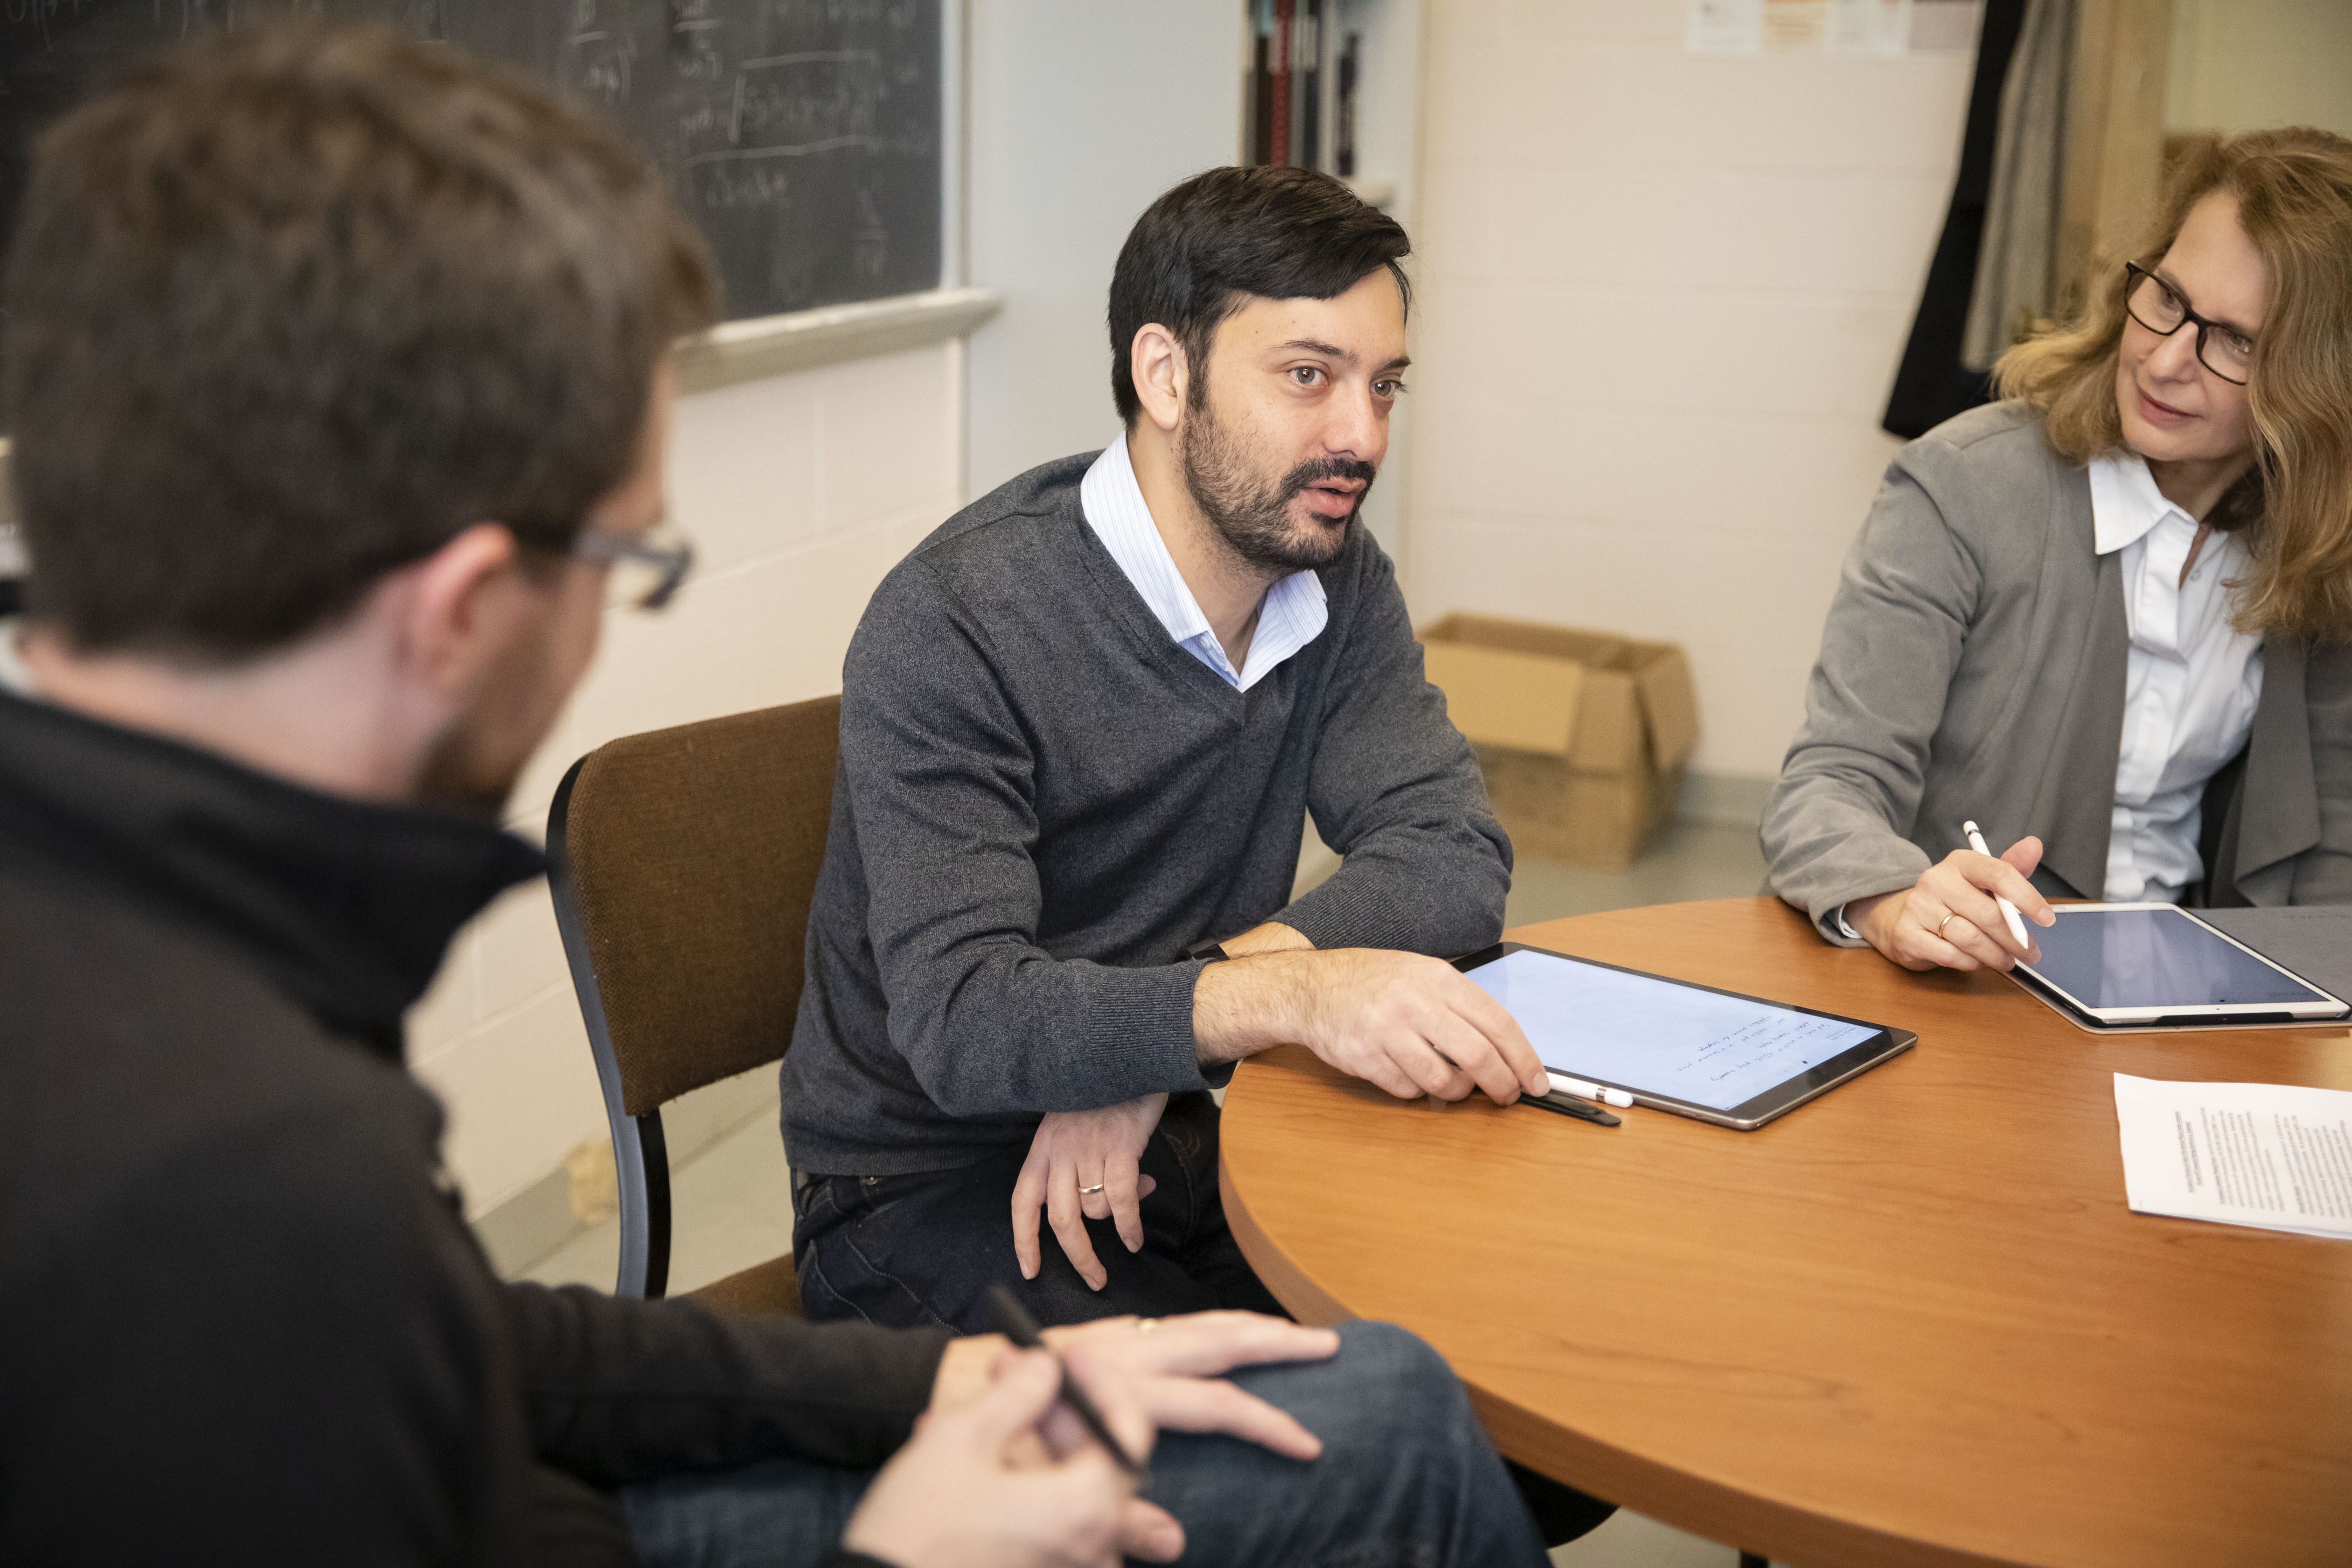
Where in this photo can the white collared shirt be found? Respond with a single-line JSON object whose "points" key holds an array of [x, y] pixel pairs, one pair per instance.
{"points": [[1292, 615], [2193, 680]]}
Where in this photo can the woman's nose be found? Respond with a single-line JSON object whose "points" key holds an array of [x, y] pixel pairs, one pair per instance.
{"points": [[2174, 358]]}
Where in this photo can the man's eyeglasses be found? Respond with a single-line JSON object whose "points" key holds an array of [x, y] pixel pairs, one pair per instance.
{"points": [[2154, 304], [646, 567]]}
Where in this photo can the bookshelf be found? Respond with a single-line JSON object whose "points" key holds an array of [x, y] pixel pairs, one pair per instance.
{"points": [[1335, 84]]}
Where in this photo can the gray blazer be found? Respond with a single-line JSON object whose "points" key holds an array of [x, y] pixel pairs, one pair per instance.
{"points": [[1973, 666]]}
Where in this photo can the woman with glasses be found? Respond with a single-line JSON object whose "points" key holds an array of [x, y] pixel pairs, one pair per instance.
{"points": [[2109, 617]]}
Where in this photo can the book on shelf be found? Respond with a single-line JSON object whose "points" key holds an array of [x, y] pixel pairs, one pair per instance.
{"points": [[1302, 86]]}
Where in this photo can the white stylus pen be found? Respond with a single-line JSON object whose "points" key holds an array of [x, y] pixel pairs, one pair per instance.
{"points": [[2007, 910], [1583, 1090]]}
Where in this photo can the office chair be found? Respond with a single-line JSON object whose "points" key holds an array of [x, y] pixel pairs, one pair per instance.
{"points": [[682, 862]]}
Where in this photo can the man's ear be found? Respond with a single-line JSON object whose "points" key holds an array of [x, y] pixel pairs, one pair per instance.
{"points": [[461, 607], [1157, 362]]}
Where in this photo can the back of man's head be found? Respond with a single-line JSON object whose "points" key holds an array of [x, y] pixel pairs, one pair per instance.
{"points": [[291, 307], [1203, 248]]}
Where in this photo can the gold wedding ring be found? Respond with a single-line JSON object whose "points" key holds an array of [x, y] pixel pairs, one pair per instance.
{"points": [[1948, 919], [1090, 1192]]}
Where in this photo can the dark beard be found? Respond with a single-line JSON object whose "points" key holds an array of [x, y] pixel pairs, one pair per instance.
{"points": [[1254, 519]]}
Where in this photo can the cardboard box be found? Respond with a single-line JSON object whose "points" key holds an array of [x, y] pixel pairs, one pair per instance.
{"points": [[1582, 735]]}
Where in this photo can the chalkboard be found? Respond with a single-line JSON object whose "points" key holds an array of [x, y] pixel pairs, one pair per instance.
{"points": [[803, 136]]}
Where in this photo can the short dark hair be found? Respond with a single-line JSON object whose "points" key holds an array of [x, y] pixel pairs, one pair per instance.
{"points": [[1222, 237], [291, 307]]}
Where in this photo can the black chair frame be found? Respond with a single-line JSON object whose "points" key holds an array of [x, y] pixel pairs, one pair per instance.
{"points": [[640, 1154]]}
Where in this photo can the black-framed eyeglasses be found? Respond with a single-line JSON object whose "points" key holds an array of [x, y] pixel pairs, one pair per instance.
{"points": [[646, 567], [2157, 306]]}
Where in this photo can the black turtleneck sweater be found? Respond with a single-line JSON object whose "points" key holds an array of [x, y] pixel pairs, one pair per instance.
{"points": [[241, 1318]]}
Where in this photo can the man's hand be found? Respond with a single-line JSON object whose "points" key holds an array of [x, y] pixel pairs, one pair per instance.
{"points": [[972, 1489], [1171, 1369], [1146, 1375], [1949, 916], [1168, 1370], [1415, 1025], [1073, 1150]]}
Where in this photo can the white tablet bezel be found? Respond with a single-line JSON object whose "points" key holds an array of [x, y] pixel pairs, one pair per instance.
{"points": [[2327, 1008]]}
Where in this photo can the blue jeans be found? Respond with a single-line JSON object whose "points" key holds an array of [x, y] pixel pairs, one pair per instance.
{"points": [[917, 1251], [1406, 1479]]}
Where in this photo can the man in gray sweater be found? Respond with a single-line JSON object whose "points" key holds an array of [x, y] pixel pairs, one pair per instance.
{"points": [[1081, 727]]}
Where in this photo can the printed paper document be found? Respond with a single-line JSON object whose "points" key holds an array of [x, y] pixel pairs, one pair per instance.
{"points": [[2261, 1154]]}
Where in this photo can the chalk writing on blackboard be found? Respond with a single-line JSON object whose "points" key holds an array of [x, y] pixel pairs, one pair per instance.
{"points": [[803, 136]]}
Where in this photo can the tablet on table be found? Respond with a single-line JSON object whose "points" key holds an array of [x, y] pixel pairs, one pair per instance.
{"points": [[1737, 1061], [2120, 967]]}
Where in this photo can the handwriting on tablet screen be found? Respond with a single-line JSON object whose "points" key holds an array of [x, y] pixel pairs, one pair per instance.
{"points": [[1652, 1035]]}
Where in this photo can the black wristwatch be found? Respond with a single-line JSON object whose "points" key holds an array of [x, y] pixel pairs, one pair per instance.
{"points": [[1205, 953]]}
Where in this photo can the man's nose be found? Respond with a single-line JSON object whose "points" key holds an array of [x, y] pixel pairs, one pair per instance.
{"points": [[1359, 427]]}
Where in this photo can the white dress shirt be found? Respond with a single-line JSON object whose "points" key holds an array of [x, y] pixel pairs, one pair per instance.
{"points": [[1292, 615], [2192, 680]]}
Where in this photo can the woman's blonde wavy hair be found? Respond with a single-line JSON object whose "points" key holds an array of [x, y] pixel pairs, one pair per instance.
{"points": [[2294, 201]]}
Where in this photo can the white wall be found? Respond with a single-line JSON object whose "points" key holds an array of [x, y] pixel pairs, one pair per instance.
{"points": [[1081, 112], [1664, 296], [800, 492], [2250, 65]]}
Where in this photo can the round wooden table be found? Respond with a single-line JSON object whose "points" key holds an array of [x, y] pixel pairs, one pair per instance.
{"points": [[1911, 1322]]}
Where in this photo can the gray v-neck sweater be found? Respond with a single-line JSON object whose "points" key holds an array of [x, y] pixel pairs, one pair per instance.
{"points": [[1043, 800]]}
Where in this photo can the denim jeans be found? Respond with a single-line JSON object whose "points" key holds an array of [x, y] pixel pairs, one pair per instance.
{"points": [[1406, 1479], [919, 1250]]}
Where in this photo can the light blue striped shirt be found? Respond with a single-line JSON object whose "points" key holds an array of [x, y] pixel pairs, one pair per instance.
{"points": [[1292, 615]]}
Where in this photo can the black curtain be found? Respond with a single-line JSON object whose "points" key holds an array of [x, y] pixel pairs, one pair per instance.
{"points": [[1932, 385]]}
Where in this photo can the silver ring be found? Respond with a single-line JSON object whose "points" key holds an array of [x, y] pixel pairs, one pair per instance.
{"points": [[1090, 1192], [1948, 919]]}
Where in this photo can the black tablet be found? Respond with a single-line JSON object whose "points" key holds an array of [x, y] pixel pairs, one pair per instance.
{"points": [[1737, 1061], [2157, 966]]}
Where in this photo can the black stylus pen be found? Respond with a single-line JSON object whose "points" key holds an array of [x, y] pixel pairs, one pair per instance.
{"points": [[1568, 1105], [1018, 1326]]}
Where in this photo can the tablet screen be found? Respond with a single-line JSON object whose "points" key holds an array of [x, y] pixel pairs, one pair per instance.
{"points": [[1653, 1036], [2156, 958]]}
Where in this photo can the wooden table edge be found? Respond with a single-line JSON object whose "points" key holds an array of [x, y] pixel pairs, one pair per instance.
{"points": [[1717, 1512]]}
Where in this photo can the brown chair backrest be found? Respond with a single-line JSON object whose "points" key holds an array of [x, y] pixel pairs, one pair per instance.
{"points": [[691, 855]]}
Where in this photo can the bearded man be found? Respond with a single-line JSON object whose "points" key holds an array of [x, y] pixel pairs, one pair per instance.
{"points": [[1082, 726]]}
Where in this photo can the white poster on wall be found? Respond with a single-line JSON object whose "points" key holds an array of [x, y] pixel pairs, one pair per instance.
{"points": [[1829, 26]]}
